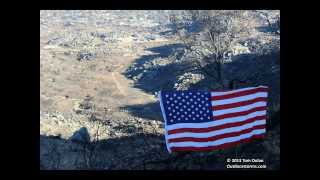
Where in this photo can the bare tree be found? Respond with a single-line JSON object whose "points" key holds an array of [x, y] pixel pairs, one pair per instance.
{"points": [[210, 42]]}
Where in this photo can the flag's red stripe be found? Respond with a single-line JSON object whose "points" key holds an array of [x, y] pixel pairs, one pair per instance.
{"points": [[239, 104], [242, 113], [214, 128], [222, 146], [221, 136], [241, 93]]}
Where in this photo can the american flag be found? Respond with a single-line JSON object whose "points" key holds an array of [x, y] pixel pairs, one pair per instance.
{"points": [[204, 120]]}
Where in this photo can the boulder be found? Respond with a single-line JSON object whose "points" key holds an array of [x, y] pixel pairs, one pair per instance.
{"points": [[85, 56], [81, 136]]}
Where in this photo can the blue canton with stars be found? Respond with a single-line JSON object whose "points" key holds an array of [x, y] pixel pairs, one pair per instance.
{"points": [[187, 106]]}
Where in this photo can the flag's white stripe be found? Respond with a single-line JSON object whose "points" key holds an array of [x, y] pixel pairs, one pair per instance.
{"points": [[239, 99], [217, 142], [215, 123], [238, 109], [217, 132], [213, 93]]}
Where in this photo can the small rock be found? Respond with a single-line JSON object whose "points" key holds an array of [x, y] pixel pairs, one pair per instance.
{"points": [[99, 35], [85, 56], [66, 24]]}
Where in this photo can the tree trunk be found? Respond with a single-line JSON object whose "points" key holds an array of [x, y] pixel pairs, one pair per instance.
{"points": [[219, 74]]}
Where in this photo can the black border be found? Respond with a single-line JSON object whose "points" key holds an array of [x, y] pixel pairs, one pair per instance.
{"points": [[163, 4]]}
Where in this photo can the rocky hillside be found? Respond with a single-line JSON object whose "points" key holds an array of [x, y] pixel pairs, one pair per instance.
{"points": [[100, 72]]}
